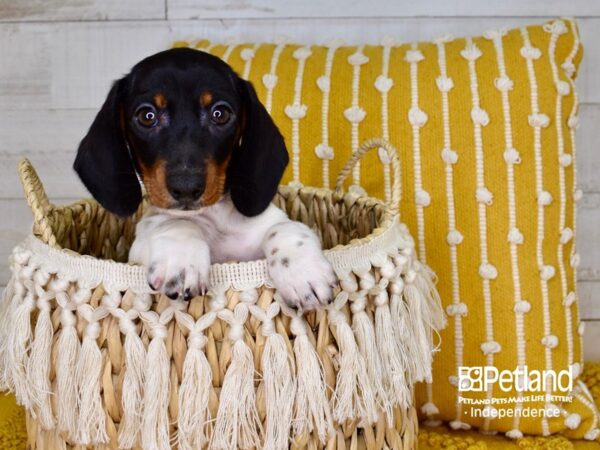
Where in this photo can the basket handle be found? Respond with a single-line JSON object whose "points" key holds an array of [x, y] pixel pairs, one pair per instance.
{"points": [[370, 144], [37, 200]]}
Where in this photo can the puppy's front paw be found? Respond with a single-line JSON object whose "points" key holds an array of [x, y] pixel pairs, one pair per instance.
{"points": [[178, 267], [299, 270]]}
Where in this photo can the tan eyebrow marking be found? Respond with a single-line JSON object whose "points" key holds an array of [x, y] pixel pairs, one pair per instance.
{"points": [[160, 101], [206, 98]]}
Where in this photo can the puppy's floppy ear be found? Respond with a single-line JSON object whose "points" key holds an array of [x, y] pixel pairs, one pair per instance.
{"points": [[103, 162], [257, 165]]}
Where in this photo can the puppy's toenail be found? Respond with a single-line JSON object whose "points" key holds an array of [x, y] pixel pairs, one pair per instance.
{"points": [[291, 305], [275, 250], [285, 262], [272, 235]]}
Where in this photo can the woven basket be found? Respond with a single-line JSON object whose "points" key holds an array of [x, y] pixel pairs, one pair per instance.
{"points": [[101, 361]]}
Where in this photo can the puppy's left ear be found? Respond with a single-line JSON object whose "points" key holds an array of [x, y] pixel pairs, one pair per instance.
{"points": [[258, 163]]}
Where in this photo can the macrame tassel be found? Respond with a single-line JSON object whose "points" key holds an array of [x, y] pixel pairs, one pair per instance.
{"points": [[279, 384], [14, 340], [424, 281], [155, 421], [7, 295], [238, 424], [133, 381], [12, 290], [194, 396], [18, 342], [367, 346], [312, 407], [422, 346], [135, 366], [91, 427], [401, 325], [38, 366], [67, 353], [354, 397], [194, 392], [393, 353]]}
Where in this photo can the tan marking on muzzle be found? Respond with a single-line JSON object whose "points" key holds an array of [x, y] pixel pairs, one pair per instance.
{"points": [[215, 181], [155, 181]]}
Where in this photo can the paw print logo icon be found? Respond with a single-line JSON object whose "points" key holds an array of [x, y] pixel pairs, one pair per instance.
{"points": [[470, 379]]}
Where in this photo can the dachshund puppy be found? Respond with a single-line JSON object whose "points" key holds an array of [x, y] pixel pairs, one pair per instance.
{"points": [[210, 158]]}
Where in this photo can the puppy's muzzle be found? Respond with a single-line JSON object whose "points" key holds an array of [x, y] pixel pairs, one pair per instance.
{"points": [[186, 187]]}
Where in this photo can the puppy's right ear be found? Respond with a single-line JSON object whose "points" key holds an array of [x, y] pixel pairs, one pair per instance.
{"points": [[103, 162]]}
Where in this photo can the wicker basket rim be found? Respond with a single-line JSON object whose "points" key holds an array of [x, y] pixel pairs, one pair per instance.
{"points": [[91, 271], [386, 238]]}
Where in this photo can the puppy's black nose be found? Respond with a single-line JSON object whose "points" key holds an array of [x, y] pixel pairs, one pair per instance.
{"points": [[185, 188]]}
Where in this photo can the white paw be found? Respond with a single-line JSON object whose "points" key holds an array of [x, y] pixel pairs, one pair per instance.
{"points": [[300, 272], [177, 267]]}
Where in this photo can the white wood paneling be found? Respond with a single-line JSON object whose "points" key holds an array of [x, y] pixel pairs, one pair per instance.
{"points": [[591, 338], [53, 10], [26, 131], [53, 167], [15, 224], [589, 295], [588, 142], [71, 64], [588, 235], [244, 9], [49, 138]]}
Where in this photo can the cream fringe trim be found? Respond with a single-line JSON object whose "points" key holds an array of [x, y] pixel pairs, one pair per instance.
{"points": [[383, 321], [91, 272]]}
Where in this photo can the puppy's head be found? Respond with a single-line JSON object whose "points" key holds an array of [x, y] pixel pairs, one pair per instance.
{"points": [[191, 129]]}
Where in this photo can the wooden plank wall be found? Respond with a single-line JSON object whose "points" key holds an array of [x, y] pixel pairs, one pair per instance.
{"points": [[58, 58]]}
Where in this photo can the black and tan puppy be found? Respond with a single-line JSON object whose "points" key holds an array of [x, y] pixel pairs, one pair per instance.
{"points": [[210, 159]]}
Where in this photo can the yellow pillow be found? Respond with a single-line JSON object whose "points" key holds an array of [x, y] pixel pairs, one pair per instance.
{"points": [[485, 127]]}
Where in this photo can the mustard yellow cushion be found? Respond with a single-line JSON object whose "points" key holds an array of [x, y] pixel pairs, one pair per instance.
{"points": [[442, 437], [485, 127]]}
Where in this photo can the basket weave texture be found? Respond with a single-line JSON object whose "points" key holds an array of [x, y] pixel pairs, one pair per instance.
{"points": [[101, 361]]}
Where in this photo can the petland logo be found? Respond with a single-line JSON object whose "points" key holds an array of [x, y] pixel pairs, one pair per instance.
{"points": [[481, 378]]}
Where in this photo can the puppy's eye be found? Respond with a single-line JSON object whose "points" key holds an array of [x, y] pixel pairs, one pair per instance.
{"points": [[146, 116], [220, 114]]}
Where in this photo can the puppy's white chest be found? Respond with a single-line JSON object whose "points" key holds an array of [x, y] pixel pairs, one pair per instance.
{"points": [[234, 247], [234, 237]]}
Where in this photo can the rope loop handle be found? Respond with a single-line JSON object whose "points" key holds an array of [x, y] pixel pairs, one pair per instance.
{"points": [[365, 147], [37, 200]]}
